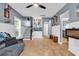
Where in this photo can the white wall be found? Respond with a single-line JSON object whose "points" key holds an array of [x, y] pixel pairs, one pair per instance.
{"points": [[37, 34], [23, 29], [73, 25], [74, 46], [46, 29], [8, 28], [56, 32], [73, 43], [17, 24]]}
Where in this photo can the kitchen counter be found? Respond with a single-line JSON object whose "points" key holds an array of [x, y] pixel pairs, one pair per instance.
{"points": [[74, 33], [73, 36]]}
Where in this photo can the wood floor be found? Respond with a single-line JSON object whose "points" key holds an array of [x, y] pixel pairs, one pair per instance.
{"points": [[44, 47]]}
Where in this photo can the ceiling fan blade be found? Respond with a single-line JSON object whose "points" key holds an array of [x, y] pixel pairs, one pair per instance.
{"points": [[29, 6], [42, 6]]}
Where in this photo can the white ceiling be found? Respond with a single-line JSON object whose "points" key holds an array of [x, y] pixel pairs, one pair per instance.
{"points": [[51, 9]]}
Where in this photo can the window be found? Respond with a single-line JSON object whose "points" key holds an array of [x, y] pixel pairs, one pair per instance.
{"points": [[17, 23]]}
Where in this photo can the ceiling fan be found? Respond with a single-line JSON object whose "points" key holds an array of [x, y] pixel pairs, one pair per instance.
{"points": [[36, 5]]}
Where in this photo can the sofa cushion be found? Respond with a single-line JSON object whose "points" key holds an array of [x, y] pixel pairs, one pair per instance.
{"points": [[2, 45], [2, 37], [13, 50], [10, 41], [8, 28], [7, 35]]}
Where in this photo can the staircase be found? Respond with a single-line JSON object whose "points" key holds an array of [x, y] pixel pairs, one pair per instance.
{"points": [[26, 34]]}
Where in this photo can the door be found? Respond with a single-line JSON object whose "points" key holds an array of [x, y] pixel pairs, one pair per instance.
{"points": [[47, 30], [37, 28]]}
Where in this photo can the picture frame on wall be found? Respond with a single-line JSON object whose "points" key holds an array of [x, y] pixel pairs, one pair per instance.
{"points": [[52, 21], [7, 14], [55, 20]]}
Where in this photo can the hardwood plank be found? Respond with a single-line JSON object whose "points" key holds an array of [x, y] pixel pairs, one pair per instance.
{"points": [[44, 47]]}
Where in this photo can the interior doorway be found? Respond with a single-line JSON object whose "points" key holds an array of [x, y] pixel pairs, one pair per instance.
{"points": [[47, 27], [64, 20], [37, 28]]}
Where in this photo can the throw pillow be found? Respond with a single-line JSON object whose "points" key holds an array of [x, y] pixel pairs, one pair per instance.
{"points": [[2, 36], [10, 41]]}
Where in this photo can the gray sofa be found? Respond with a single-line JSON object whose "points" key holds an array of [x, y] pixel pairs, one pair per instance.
{"points": [[13, 50]]}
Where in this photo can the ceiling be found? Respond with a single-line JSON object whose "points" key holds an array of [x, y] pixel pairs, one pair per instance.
{"points": [[51, 9]]}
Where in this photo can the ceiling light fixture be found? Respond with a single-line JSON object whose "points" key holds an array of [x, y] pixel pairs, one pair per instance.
{"points": [[35, 5]]}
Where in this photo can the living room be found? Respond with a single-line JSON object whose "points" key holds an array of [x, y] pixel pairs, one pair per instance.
{"points": [[33, 29]]}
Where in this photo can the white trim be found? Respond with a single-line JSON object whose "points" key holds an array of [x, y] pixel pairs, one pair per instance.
{"points": [[60, 42], [26, 39]]}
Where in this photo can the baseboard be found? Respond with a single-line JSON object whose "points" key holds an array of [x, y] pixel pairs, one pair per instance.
{"points": [[26, 39], [46, 36], [60, 43]]}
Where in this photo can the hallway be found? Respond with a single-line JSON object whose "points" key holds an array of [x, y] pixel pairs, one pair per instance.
{"points": [[44, 47]]}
